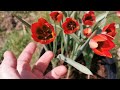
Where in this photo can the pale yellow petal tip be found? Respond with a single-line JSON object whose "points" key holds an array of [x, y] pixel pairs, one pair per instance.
{"points": [[93, 44], [110, 56]]}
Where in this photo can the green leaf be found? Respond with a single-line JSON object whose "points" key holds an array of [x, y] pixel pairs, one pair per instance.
{"points": [[75, 37], [73, 14], [23, 21], [81, 48], [88, 55], [102, 23], [58, 29], [76, 65], [101, 16], [65, 13]]}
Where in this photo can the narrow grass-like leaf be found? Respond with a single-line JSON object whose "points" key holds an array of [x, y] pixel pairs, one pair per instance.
{"points": [[75, 64], [75, 37], [58, 29], [23, 21], [81, 48], [101, 16], [88, 55], [102, 23], [73, 14], [65, 13]]}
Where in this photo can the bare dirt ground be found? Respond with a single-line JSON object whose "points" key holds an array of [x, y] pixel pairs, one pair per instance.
{"points": [[8, 23]]}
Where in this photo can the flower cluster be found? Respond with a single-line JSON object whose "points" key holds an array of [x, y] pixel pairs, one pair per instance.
{"points": [[72, 33], [101, 44]]}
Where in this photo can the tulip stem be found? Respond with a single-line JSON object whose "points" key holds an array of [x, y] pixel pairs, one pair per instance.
{"points": [[45, 47], [55, 42], [62, 47], [69, 72]]}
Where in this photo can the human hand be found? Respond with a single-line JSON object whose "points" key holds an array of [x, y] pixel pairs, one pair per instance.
{"points": [[12, 68]]}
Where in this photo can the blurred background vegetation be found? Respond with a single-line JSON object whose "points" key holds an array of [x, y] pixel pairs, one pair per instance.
{"points": [[13, 34]]}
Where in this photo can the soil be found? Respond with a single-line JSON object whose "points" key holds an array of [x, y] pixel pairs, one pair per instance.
{"points": [[8, 23]]}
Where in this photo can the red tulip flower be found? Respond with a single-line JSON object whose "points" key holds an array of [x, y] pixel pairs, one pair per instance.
{"points": [[70, 26], [109, 29], [57, 16], [87, 32], [43, 32], [101, 45], [89, 18]]}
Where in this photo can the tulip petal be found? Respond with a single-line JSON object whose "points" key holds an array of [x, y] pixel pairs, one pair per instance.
{"points": [[57, 16], [43, 32], [93, 44], [70, 26], [110, 29], [89, 18]]}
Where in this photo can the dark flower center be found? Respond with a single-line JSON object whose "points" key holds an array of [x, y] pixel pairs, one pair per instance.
{"points": [[108, 30], [44, 33], [89, 18], [100, 44], [71, 25]]}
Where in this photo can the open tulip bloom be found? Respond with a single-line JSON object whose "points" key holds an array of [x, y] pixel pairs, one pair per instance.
{"points": [[72, 33]]}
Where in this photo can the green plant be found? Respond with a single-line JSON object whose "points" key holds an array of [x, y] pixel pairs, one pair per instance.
{"points": [[67, 32]]}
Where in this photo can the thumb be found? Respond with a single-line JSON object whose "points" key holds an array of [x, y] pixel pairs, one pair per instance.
{"points": [[9, 60], [8, 66]]}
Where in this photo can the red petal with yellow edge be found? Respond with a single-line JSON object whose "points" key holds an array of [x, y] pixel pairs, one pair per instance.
{"points": [[43, 32]]}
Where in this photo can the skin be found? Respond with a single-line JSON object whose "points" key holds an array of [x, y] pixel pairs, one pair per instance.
{"points": [[12, 68]]}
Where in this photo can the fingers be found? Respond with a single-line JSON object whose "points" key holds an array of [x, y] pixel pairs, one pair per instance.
{"points": [[25, 57], [56, 73], [8, 66], [43, 62], [9, 60]]}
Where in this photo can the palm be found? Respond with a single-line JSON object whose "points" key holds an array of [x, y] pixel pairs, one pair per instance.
{"points": [[13, 69]]}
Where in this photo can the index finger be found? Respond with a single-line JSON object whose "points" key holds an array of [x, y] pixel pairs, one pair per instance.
{"points": [[26, 55]]}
